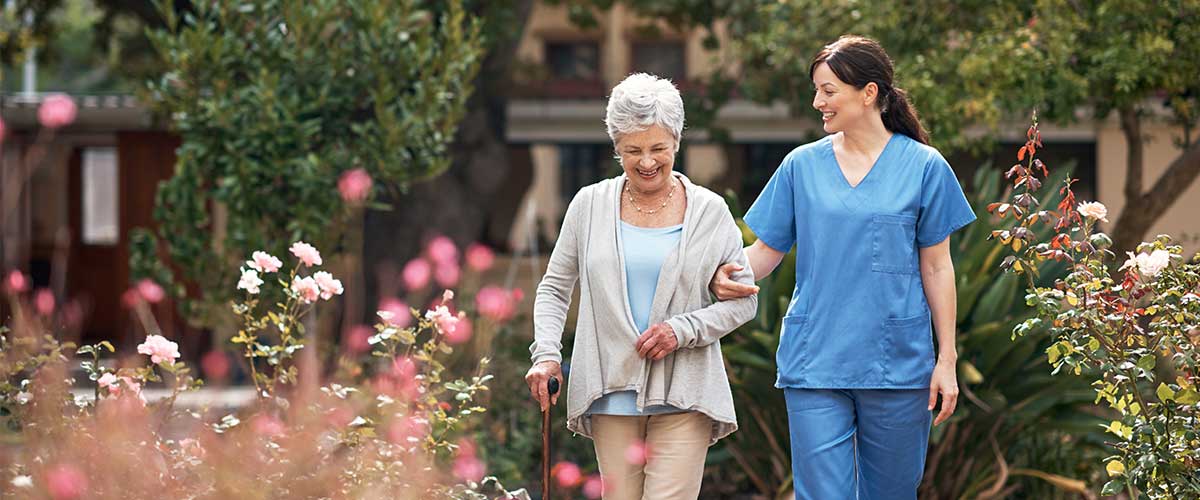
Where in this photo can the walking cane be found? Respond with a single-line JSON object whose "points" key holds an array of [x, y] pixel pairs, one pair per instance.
{"points": [[552, 386]]}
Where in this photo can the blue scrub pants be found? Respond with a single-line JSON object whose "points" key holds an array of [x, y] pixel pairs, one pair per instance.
{"points": [[867, 444]]}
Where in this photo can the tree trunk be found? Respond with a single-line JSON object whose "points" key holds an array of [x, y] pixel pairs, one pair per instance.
{"points": [[471, 200], [1142, 209]]}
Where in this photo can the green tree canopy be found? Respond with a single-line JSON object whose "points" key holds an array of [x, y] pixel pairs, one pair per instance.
{"points": [[980, 63], [274, 100]]}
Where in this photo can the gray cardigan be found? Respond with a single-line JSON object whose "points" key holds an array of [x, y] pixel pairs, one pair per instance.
{"points": [[604, 358]]}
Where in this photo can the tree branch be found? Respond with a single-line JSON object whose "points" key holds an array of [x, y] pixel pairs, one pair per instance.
{"points": [[1131, 125], [1141, 211]]}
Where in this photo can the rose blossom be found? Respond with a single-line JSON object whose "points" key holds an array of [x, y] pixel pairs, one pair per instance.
{"points": [[264, 262], [159, 349], [17, 282], [1148, 265], [416, 274], [306, 253], [480, 257], [442, 250], [329, 286], [306, 288], [1095, 210], [56, 111], [354, 185], [150, 291], [250, 281]]}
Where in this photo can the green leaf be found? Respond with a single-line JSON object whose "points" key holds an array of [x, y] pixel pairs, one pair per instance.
{"points": [[1147, 362], [1164, 392], [1113, 487]]}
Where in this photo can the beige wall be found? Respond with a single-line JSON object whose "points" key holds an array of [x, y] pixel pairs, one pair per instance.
{"points": [[1182, 220]]}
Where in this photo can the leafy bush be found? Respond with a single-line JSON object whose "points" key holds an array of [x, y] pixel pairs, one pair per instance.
{"points": [[1132, 333]]}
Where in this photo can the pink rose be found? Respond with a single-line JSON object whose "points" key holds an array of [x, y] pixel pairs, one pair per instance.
{"points": [[150, 291], [447, 274], [479, 257], [264, 262], [442, 250], [461, 331], [43, 302], [416, 274], [355, 339], [306, 253], [215, 364], [354, 185], [109, 381], [636, 453], [593, 487], [65, 482], [468, 468], [56, 111], [17, 282], [567, 474], [396, 312], [159, 349], [329, 286], [267, 425], [442, 319], [306, 288], [495, 303]]}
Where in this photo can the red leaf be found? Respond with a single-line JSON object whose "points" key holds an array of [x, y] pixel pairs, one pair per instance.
{"points": [[1021, 153]]}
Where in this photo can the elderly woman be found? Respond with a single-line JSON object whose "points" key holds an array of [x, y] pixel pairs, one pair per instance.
{"points": [[647, 373]]}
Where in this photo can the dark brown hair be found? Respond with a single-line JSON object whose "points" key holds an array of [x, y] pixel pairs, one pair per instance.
{"points": [[858, 60]]}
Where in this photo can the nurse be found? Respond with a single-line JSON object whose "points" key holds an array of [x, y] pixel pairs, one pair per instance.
{"points": [[870, 209]]}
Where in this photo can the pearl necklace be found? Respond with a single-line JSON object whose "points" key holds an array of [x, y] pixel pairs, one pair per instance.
{"points": [[670, 194]]}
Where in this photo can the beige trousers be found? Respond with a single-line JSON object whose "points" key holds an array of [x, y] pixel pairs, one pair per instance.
{"points": [[674, 444]]}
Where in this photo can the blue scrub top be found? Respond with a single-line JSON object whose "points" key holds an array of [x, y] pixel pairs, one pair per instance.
{"points": [[858, 318]]}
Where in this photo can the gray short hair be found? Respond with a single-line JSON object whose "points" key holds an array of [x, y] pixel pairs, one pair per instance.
{"points": [[643, 100]]}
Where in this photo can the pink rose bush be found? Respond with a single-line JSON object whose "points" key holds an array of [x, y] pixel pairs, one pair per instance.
{"points": [[389, 400]]}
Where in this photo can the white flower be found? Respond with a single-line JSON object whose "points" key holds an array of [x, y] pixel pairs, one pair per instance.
{"points": [[264, 262], [385, 315], [1095, 210], [22, 482], [250, 281], [24, 397], [1148, 265]]}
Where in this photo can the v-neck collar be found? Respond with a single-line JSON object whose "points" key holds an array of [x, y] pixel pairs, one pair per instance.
{"points": [[841, 173], [854, 196]]}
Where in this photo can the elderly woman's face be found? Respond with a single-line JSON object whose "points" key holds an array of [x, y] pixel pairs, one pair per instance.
{"points": [[647, 157]]}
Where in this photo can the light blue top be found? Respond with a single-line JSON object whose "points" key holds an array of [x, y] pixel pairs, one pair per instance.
{"points": [[858, 318], [645, 250]]}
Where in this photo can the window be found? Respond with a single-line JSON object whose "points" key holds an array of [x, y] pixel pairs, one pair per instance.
{"points": [[573, 60], [660, 58], [100, 197], [584, 164]]}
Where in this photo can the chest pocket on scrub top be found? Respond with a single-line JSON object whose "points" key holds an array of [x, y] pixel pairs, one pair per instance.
{"points": [[893, 241]]}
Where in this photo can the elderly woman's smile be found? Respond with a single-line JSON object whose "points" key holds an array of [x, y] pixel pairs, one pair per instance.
{"points": [[647, 157]]}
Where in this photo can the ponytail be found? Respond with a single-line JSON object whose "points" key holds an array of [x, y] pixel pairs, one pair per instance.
{"points": [[899, 116]]}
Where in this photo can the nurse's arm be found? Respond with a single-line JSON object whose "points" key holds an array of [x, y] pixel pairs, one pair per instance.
{"points": [[937, 277], [762, 260]]}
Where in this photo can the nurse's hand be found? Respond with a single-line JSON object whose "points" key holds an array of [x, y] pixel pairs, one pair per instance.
{"points": [[538, 377], [944, 382], [725, 288], [657, 342]]}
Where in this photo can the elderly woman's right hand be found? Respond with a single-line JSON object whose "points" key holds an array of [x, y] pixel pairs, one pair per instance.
{"points": [[538, 379], [725, 288]]}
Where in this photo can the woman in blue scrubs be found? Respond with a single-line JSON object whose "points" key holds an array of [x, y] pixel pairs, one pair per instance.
{"points": [[870, 209]]}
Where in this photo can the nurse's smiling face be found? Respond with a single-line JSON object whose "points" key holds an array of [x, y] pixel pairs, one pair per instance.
{"points": [[647, 156], [841, 105]]}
